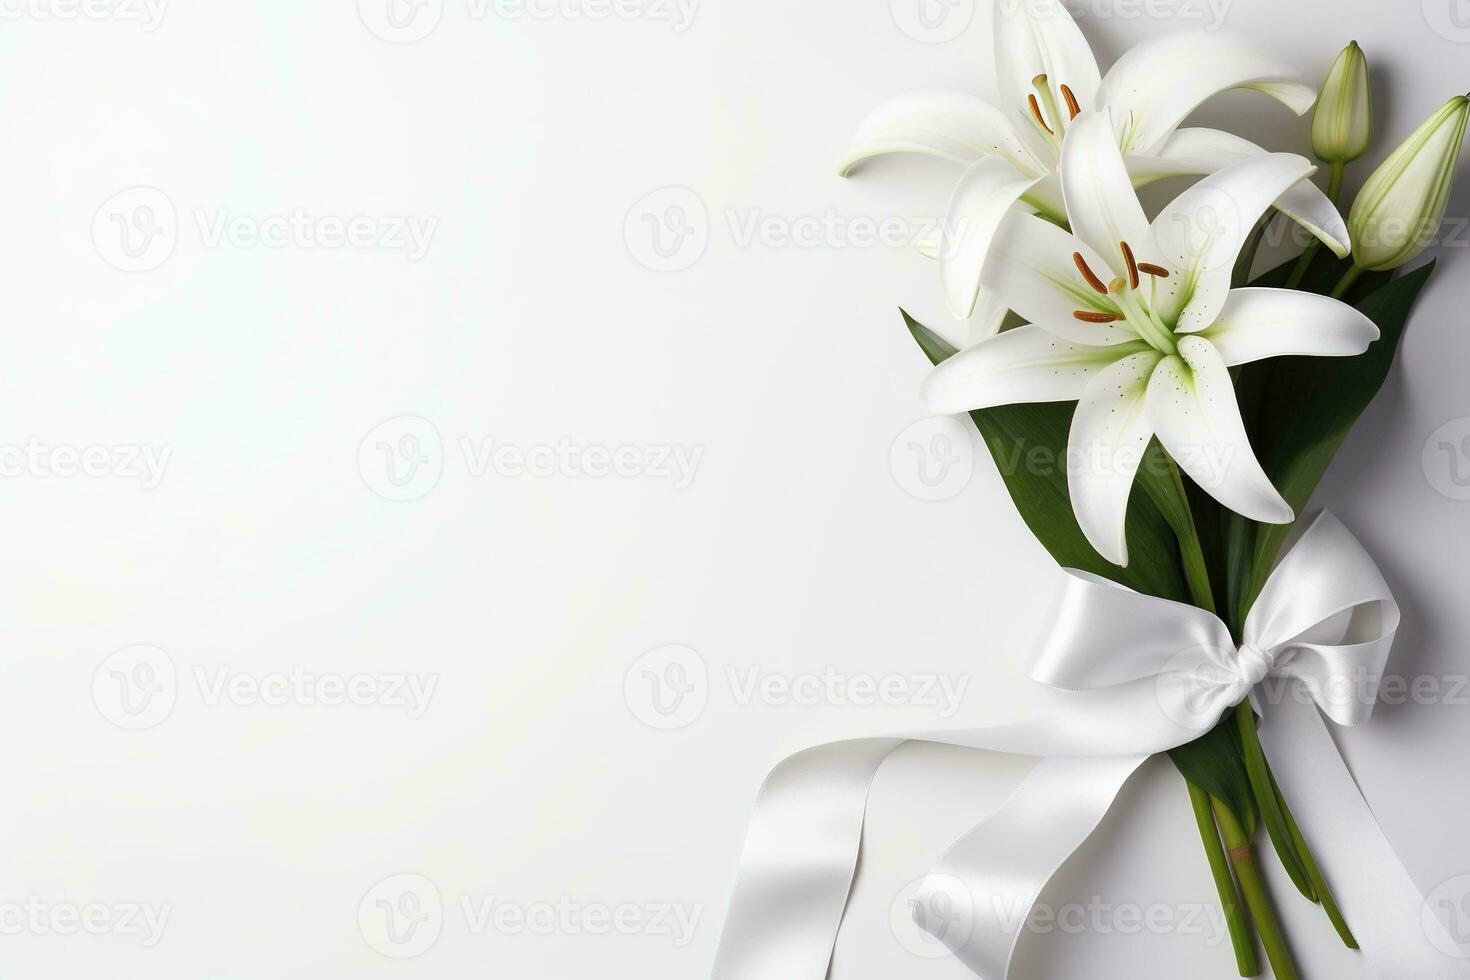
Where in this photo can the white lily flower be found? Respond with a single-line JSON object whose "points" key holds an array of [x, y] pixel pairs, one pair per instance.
{"points": [[1047, 77], [1136, 321]]}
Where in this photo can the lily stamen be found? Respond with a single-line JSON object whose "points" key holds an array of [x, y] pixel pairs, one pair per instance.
{"points": [[1088, 274], [1157, 271], [1072, 106], [1133, 279], [1036, 114], [1088, 316]]}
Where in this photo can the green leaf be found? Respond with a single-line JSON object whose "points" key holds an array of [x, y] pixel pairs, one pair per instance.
{"points": [[1216, 764], [1306, 407]]}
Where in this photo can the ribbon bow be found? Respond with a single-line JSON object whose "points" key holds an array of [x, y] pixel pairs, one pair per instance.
{"points": [[1167, 671], [1134, 675]]}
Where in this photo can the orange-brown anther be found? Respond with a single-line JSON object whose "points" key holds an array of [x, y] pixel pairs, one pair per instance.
{"points": [[1157, 271], [1087, 316], [1088, 274], [1036, 114], [1072, 106], [1132, 265]]}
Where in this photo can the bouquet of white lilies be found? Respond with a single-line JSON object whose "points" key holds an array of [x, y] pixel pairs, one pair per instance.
{"points": [[1146, 354]]}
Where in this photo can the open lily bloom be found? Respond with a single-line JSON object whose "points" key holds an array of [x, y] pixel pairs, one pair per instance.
{"points": [[1047, 77], [1136, 321]]}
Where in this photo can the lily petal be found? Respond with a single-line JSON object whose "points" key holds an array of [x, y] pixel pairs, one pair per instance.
{"points": [[949, 125], [1022, 365], [990, 313], [981, 201], [1202, 231], [1205, 151], [1033, 268], [1046, 197], [1110, 432], [1101, 203], [990, 309], [1035, 38], [1158, 83], [1259, 323], [1191, 403]]}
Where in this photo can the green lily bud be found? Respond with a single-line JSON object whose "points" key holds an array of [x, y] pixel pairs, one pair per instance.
{"points": [[1343, 121], [1400, 209]]}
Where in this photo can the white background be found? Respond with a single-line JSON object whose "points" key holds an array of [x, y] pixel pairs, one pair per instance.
{"points": [[533, 320]]}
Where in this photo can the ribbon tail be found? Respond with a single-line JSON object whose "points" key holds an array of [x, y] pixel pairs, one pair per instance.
{"points": [[978, 899], [797, 867], [1401, 935], [805, 837]]}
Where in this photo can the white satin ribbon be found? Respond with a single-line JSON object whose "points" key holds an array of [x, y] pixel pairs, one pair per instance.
{"points": [[1133, 675]]}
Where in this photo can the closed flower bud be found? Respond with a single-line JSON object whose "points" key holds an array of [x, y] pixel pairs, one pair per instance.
{"points": [[1400, 209], [1343, 122]]}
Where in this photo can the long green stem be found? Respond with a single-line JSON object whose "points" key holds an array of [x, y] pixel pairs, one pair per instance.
{"points": [[1242, 937], [1264, 791], [1257, 770], [1334, 190], [1173, 502], [1347, 281], [1256, 767], [1263, 787], [1276, 803], [1257, 899]]}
